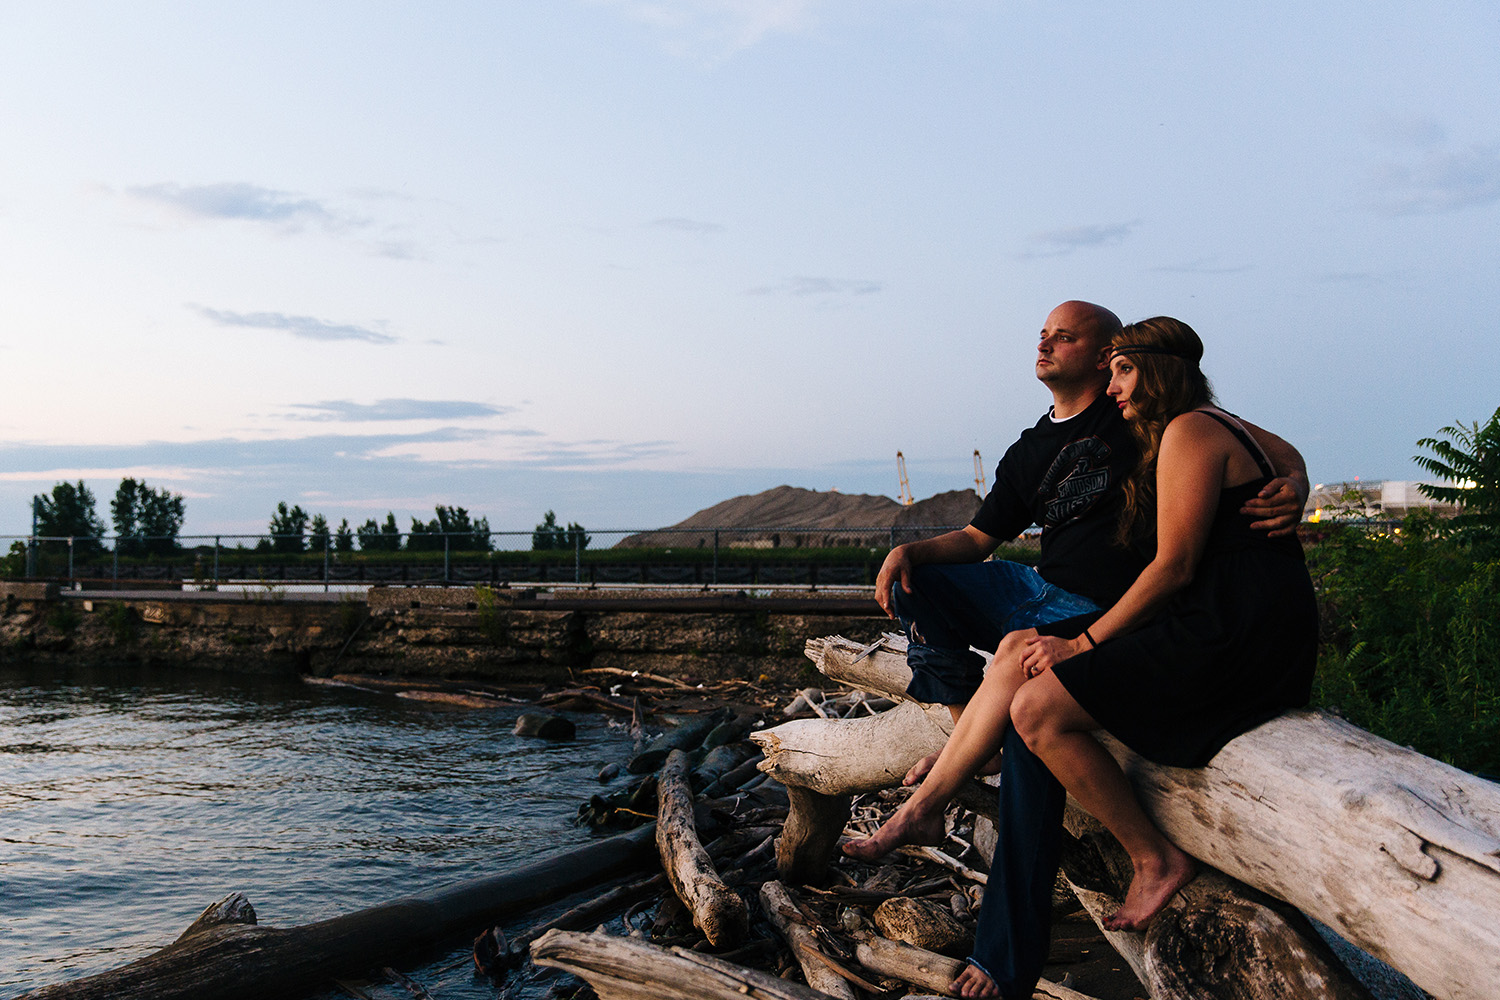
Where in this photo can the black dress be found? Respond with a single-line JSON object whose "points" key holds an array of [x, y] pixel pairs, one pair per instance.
{"points": [[1233, 649]]}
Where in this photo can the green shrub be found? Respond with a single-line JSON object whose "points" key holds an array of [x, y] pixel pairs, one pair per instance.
{"points": [[121, 621], [1412, 629]]}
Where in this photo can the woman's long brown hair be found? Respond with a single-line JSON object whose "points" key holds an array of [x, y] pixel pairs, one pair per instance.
{"points": [[1166, 385]]}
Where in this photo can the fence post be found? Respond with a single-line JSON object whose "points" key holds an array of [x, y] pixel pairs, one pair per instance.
{"points": [[216, 562], [117, 563], [715, 577], [326, 540], [70, 560], [445, 559]]}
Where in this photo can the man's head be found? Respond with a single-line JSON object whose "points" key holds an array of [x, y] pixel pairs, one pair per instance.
{"points": [[1073, 353]]}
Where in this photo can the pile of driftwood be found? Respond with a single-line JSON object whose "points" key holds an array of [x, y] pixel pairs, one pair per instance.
{"points": [[1397, 853]]}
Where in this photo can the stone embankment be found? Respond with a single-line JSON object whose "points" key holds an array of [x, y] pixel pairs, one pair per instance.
{"points": [[446, 632]]}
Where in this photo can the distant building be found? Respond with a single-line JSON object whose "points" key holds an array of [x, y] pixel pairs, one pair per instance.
{"points": [[1378, 498]]}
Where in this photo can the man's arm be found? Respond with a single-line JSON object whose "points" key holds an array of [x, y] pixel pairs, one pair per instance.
{"points": [[1278, 507], [966, 545]]}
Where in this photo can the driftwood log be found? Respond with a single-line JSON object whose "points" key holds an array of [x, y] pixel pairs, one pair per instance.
{"points": [[932, 971], [1397, 853], [225, 955], [717, 910], [790, 924], [626, 969]]}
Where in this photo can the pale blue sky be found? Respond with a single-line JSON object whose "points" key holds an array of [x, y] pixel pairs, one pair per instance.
{"points": [[626, 259]]}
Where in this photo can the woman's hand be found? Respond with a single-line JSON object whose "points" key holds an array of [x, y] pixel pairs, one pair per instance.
{"points": [[1043, 652]]}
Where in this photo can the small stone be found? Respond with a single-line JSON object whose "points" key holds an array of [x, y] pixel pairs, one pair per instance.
{"points": [[609, 772], [922, 924]]}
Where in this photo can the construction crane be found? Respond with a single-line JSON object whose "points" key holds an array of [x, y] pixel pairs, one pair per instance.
{"points": [[905, 486], [979, 486]]}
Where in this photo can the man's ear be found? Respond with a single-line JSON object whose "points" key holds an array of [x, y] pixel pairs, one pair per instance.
{"points": [[1104, 358]]}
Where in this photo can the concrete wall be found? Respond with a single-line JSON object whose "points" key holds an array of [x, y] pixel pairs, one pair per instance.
{"points": [[433, 632]]}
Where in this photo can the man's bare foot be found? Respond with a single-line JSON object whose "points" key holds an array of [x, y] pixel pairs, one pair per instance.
{"points": [[973, 983], [1155, 882], [920, 769], [911, 824]]}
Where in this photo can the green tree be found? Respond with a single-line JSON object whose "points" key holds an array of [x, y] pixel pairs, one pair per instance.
{"points": [[1469, 459], [147, 520], [318, 535], [69, 513], [376, 537], [288, 528], [550, 536], [464, 535], [343, 538]]}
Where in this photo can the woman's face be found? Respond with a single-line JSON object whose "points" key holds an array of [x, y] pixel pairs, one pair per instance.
{"points": [[1122, 378]]}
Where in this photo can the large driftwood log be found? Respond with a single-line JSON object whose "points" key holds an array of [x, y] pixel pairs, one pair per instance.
{"points": [[717, 910], [1398, 853], [626, 969], [932, 971], [1217, 938], [788, 921], [226, 956], [849, 756]]}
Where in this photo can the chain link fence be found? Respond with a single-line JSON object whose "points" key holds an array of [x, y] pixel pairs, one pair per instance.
{"points": [[738, 557]]}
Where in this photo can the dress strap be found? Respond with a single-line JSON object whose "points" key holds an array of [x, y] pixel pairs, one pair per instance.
{"points": [[1245, 439]]}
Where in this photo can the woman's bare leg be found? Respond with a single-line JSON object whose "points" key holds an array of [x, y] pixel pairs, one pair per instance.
{"points": [[976, 739], [1057, 730]]}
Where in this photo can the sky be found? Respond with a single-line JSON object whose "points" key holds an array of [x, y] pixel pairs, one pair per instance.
{"points": [[625, 259]]}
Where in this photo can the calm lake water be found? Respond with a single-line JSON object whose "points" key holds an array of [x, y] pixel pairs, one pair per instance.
{"points": [[130, 800]]}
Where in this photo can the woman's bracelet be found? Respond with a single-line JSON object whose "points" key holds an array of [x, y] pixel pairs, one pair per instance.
{"points": [[1092, 643]]}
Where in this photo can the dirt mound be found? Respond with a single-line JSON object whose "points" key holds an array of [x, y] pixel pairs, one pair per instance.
{"points": [[826, 519], [942, 512]]}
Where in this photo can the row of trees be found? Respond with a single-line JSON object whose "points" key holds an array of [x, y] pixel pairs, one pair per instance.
{"points": [[292, 529], [147, 522]]}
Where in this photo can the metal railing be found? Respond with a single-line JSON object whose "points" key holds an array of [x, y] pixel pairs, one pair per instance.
{"points": [[776, 555]]}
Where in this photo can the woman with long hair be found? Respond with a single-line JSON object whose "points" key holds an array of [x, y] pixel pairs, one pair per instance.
{"points": [[1216, 636]]}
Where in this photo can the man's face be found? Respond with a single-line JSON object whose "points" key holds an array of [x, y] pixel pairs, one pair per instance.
{"points": [[1069, 350]]}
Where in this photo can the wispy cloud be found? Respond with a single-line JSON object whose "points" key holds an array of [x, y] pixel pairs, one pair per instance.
{"points": [[803, 285], [1057, 242], [682, 225], [1203, 265], [399, 409], [716, 29], [306, 327], [1406, 131], [1438, 181], [240, 201]]}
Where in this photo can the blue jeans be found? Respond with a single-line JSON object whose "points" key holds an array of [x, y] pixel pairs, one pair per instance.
{"points": [[951, 608], [958, 605], [1015, 920]]}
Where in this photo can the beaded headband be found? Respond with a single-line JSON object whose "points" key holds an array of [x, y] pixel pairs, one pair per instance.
{"points": [[1124, 349]]}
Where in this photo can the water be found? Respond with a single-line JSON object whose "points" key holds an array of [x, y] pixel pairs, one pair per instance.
{"points": [[130, 800]]}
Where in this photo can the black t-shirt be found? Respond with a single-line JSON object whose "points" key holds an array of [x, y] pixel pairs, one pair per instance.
{"points": [[1067, 477]]}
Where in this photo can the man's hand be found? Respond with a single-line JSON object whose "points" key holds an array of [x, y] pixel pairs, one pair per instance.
{"points": [[896, 569], [1277, 508]]}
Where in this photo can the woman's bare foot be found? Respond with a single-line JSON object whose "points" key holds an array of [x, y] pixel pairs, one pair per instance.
{"points": [[911, 824], [973, 983], [920, 769], [1155, 882]]}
